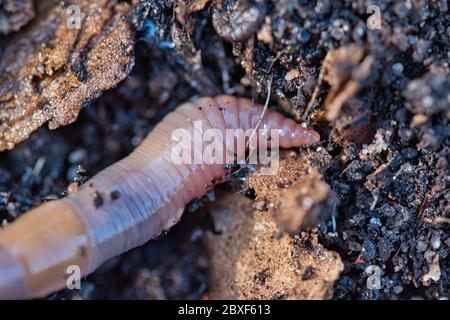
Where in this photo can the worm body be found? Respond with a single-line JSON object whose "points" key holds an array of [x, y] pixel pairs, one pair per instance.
{"points": [[128, 203]]}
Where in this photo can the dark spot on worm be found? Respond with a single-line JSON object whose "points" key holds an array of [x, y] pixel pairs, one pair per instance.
{"points": [[98, 200], [91, 184], [199, 108], [115, 194], [214, 181], [83, 251], [308, 273], [221, 109], [237, 20]]}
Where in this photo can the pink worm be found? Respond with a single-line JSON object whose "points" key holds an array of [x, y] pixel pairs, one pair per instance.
{"points": [[128, 203]]}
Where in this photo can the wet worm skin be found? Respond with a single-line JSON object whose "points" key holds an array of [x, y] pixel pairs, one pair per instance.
{"points": [[128, 203]]}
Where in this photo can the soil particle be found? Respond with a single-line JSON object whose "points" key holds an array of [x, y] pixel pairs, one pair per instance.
{"points": [[247, 262], [297, 196], [308, 273], [238, 20]]}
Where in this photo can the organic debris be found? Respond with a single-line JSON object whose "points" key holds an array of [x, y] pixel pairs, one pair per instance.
{"points": [[51, 70]]}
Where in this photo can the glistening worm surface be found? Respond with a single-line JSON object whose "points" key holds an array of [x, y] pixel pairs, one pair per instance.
{"points": [[140, 196]]}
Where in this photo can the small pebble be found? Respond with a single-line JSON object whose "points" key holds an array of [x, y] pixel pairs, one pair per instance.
{"points": [[398, 68]]}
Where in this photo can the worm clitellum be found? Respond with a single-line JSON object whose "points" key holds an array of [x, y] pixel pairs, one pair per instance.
{"points": [[128, 203]]}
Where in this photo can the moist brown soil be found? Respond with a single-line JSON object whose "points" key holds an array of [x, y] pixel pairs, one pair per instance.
{"points": [[379, 98]]}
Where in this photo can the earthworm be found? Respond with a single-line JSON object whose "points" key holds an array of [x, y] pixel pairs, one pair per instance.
{"points": [[128, 203]]}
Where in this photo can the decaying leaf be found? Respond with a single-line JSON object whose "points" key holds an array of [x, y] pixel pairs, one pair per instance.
{"points": [[348, 71], [52, 69], [339, 66]]}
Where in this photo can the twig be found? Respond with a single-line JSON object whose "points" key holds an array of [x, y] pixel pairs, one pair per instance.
{"points": [[266, 105], [314, 95]]}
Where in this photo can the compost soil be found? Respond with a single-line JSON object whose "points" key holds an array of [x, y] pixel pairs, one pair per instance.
{"points": [[379, 97]]}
